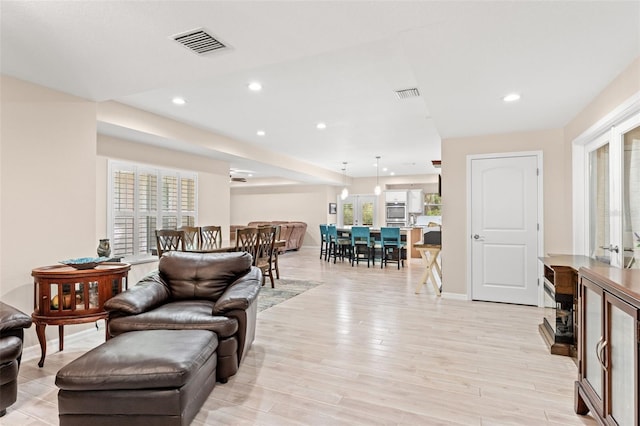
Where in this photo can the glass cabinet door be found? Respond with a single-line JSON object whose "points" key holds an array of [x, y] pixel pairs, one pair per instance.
{"points": [[593, 337], [621, 361]]}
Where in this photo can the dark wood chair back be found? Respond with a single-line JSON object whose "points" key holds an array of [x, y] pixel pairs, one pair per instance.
{"points": [[210, 237], [191, 237], [264, 251], [169, 240], [247, 241]]}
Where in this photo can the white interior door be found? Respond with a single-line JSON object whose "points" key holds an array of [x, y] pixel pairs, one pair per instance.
{"points": [[504, 229]]}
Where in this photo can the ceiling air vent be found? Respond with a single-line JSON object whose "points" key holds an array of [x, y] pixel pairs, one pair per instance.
{"points": [[199, 41], [407, 93], [237, 179]]}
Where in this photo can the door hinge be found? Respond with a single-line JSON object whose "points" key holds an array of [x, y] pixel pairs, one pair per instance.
{"points": [[537, 172], [537, 226], [538, 282]]}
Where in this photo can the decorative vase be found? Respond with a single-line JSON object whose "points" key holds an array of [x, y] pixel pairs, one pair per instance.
{"points": [[104, 248]]}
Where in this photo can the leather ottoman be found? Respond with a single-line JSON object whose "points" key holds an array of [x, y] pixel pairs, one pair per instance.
{"points": [[152, 377]]}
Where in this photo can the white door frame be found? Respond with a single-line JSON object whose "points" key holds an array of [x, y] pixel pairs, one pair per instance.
{"points": [[607, 128], [538, 155]]}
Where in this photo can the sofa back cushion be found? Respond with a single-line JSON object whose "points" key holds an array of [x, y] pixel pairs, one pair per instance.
{"points": [[202, 275]]}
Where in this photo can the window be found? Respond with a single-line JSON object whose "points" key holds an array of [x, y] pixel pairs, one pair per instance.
{"points": [[143, 199], [432, 205]]}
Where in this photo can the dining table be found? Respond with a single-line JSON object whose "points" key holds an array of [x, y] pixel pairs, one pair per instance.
{"points": [[227, 246]]}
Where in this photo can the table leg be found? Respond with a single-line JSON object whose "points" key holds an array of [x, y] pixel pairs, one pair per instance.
{"points": [[61, 337], [429, 257], [43, 342], [425, 274], [437, 265]]}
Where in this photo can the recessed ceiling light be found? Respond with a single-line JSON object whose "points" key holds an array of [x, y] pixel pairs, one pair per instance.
{"points": [[260, 133], [321, 125], [511, 97], [384, 169], [255, 86], [178, 101], [392, 173]]}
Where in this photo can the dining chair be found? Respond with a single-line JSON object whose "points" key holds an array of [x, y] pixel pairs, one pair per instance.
{"points": [[393, 249], [169, 240], [361, 244], [210, 237], [191, 237], [246, 240], [338, 245], [264, 251], [324, 241], [276, 252]]}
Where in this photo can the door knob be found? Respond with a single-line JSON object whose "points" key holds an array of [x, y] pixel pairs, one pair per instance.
{"points": [[477, 237]]}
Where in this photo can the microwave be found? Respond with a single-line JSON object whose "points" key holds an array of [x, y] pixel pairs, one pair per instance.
{"points": [[396, 212]]}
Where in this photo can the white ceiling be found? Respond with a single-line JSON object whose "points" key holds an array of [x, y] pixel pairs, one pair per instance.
{"points": [[338, 62]]}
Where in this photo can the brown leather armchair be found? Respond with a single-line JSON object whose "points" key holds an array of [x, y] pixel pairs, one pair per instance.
{"points": [[206, 291], [12, 325]]}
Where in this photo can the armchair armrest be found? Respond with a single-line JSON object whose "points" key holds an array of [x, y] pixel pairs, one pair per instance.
{"points": [[148, 293], [12, 318], [241, 294]]}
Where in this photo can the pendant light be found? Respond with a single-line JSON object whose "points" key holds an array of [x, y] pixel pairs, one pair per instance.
{"points": [[377, 190], [345, 192]]}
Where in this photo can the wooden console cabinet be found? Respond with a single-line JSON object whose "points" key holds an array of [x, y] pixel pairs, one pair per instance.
{"points": [[559, 327], [63, 295], [608, 380]]}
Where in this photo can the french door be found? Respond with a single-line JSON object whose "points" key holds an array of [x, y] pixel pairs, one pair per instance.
{"points": [[612, 202], [358, 210]]}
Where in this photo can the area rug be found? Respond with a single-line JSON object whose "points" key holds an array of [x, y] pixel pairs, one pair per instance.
{"points": [[285, 289]]}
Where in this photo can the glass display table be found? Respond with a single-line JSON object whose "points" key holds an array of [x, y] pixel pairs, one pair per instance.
{"points": [[64, 295]]}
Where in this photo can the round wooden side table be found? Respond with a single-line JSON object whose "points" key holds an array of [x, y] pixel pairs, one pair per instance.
{"points": [[64, 295]]}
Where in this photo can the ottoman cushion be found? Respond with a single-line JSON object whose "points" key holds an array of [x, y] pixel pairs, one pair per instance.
{"points": [[159, 377]]}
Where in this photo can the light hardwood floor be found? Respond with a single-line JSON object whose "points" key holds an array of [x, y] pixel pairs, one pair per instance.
{"points": [[364, 349]]}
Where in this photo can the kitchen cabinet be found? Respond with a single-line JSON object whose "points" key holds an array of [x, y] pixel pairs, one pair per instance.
{"points": [[395, 197], [608, 376], [415, 202]]}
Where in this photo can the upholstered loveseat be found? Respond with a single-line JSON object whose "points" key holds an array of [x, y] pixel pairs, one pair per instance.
{"points": [[12, 325], [206, 291], [293, 232]]}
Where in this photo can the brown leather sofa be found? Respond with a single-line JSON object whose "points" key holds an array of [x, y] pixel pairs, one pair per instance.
{"points": [[12, 325], [206, 291], [291, 231]]}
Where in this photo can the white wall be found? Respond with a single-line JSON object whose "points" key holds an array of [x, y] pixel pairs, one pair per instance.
{"points": [[213, 177], [310, 203], [557, 220], [48, 186], [556, 147], [53, 186], [304, 203]]}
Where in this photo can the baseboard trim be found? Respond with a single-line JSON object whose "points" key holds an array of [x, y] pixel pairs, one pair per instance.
{"points": [[34, 352]]}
